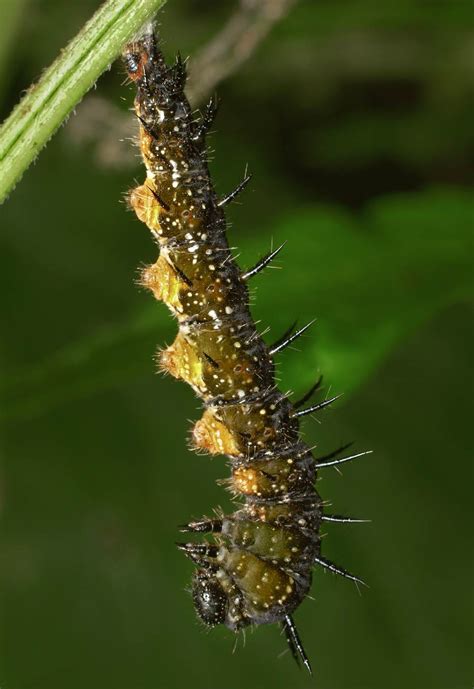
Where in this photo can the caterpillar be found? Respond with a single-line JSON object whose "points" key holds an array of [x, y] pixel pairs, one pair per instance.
{"points": [[258, 567]]}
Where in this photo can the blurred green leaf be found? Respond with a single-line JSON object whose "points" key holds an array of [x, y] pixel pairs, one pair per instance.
{"points": [[391, 14], [370, 280], [375, 278], [416, 139], [111, 355]]}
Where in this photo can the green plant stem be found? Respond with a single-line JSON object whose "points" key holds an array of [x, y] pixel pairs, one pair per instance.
{"points": [[48, 102]]}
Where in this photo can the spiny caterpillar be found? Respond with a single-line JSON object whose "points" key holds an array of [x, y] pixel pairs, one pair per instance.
{"points": [[258, 568]]}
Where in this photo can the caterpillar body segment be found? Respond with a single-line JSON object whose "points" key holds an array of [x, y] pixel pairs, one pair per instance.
{"points": [[258, 569]]}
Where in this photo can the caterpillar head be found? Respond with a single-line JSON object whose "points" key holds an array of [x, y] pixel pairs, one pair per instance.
{"points": [[210, 599]]}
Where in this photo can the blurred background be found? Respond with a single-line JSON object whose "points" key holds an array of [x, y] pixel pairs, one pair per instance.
{"points": [[355, 118]]}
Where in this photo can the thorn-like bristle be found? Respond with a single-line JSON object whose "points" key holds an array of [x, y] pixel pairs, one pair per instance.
{"points": [[263, 262], [183, 276], [207, 119], [309, 394], [199, 553], [334, 462], [327, 564], [201, 526], [162, 203], [287, 340], [233, 194], [283, 338], [212, 361], [316, 407], [341, 519], [179, 72], [294, 643]]}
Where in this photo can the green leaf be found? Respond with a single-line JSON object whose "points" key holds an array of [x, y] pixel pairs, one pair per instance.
{"points": [[415, 138], [97, 362], [375, 278], [370, 280]]}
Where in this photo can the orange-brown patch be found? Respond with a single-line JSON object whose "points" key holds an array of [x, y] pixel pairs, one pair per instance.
{"points": [[162, 280], [211, 435]]}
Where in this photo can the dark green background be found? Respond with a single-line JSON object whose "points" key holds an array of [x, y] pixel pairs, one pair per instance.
{"points": [[356, 120]]}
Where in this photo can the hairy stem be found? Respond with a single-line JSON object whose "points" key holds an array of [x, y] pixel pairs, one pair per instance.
{"points": [[48, 102]]}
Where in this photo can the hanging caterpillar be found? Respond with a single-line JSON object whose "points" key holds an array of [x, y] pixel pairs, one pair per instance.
{"points": [[258, 568]]}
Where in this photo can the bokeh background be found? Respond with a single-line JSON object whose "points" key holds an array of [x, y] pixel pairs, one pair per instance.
{"points": [[355, 118]]}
